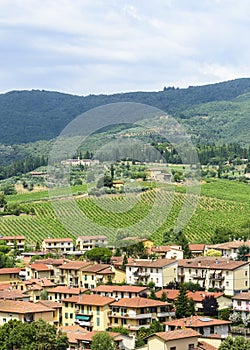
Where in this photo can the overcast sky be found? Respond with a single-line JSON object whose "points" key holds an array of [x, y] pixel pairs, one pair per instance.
{"points": [[93, 46]]}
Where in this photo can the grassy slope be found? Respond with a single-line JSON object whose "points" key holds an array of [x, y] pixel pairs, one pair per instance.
{"points": [[222, 204]]}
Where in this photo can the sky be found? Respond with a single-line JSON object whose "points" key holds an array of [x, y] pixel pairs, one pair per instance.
{"points": [[87, 47]]}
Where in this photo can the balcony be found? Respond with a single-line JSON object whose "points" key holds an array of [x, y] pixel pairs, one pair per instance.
{"points": [[181, 273], [199, 277], [216, 277], [83, 320], [131, 316], [166, 314]]}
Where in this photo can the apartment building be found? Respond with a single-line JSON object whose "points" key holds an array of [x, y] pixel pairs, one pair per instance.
{"points": [[229, 249], [134, 313], [180, 339], [241, 304], [24, 311], [206, 326], [88, 311], [63, 245], [168, 251], [62, 292], [71, 273], [198, 297], [13, 242], [37, 270], [9, 275], [84, 243], [197, 249], [219, 274], [95, 274], [161, 271], [119, 292]]}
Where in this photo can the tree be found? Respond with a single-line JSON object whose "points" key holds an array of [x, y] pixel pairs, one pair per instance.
{"points": [[38, 335], [44, 294], [210, 306], [243, 250], [163, 296], [152, 295], [213, 252], [183, 305], [3, 201], [124, 262], [193, 286], [237, 343], [8, 189], [99, 254], [102, 340], [224, 314]]}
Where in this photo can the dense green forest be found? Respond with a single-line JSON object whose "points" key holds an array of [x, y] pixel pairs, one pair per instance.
{"points": [[212, 113]]}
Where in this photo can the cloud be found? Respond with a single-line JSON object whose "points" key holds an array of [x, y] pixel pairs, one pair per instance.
{"points": [[85, 47]]}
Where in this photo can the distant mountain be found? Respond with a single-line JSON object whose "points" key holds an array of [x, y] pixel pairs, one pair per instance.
{"points": [[213, 113]]}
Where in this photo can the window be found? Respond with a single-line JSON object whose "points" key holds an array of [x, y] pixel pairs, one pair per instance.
{"points": [[66, 304], [239, 302], [190, 346], [4, 320], [173, 348], [246, 283], [227, 283], [211, 329], [245, 273], [97, 321], [98, 310], [71, 316], [66, 315], [116, 320], [92, 277]]}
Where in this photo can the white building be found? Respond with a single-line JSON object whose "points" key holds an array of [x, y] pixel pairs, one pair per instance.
{"points": [[84, 243], [60, 244], [161, 271], [241, 303]]}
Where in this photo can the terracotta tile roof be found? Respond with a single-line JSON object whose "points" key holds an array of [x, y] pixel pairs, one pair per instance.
{"points": [[196, 247], [242, 296], [22, 307], [161, 249], [231, 245], [69, 290], [55, 240], [12, 237], [118, 260], [50, 304], [202, 345], [152, 263], [40, 267], [176, 334], [40, 281], [51, 261], [96, 268], [8, 270], [196, 321], [88, 336], [72, 332], [12, 294], [92, 237], [138, 302], [196, 296], [74, 265], [4, 286], [87, 299], [113, 288], [212, 263]]}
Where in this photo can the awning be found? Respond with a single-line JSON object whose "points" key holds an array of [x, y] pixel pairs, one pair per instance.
{"points": [[83, 317]]}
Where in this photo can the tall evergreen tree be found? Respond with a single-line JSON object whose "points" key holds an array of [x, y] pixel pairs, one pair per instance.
{"points": [[183, 306]]}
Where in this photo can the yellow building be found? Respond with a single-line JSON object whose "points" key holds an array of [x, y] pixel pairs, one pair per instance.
{"points": [[37, 270], [9, 275], [24, 311], [181, 339], [135, 313], [95, 274], [14, 241], [88, 311], [71, 273], [57, 310], [62, 292]]}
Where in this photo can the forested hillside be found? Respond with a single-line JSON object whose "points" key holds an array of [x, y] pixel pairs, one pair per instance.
{"points": [[214, 113]]}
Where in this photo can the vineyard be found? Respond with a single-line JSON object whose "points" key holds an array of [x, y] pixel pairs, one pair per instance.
{"points": [[137, 215]]}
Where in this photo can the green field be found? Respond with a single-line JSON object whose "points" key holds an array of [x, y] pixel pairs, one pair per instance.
{"points": [[222, 204]]}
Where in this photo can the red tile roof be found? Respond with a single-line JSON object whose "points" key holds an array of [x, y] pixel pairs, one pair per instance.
{"points": [[113, 288], [176, 334], [196, 247], [8, 270], [138, 302], [55, 240], [22, 307], [196, 296], [87, 299], [12, 238], [202, 345], [40, 267], [196, 321], [152, 263], [97, 268], [74, 265], [69, 290], [242, 296], [50, 304], [88, 336]]}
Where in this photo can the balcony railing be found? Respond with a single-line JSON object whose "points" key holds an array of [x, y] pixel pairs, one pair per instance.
{"points": [[217, 277]]}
